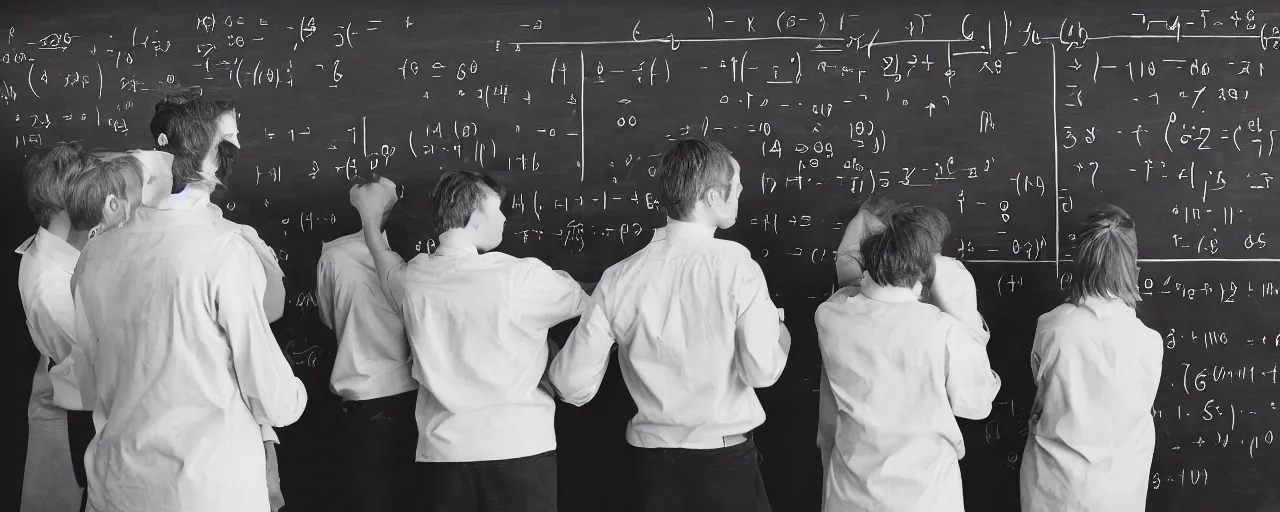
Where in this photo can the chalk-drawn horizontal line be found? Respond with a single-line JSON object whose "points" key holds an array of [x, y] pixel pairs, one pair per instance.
{"points": [[1147, 260], [1174, 36], [667, 40]]}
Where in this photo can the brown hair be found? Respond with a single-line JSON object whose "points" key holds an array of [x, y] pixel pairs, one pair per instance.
{"points": [[1106, 262], [458, 194], [104, 174], [903, 253], [46, 174], [189, 121], [689, 170]]}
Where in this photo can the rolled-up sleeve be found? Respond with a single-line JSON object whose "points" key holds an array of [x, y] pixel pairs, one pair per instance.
{"points": [[578, 370], [759, 356], [274, 395], [971, 383]]}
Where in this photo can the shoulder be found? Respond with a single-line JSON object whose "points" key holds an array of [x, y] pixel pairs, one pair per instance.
{"points": [[1065, 315], [730, 250], [225, 247]]}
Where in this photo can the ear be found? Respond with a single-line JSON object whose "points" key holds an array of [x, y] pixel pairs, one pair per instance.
{"points": [[162, 140], [713, 196], [113, 210], [473, 222]]}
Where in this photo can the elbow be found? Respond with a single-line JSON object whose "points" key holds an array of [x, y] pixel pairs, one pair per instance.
{"points": [[974, 411], [273, 301], [571, 392], [762, 377], [290, 411]]}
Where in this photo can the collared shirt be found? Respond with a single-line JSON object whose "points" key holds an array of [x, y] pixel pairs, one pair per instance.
{"points": [[696, 331], [900, 372], [1097, 369], [373, 352], [181, 365], [477, 327], [44, 280]]}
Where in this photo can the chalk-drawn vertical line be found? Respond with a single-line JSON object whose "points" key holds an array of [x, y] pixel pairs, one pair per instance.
{"points": [[582, 116], [1057, 194]]}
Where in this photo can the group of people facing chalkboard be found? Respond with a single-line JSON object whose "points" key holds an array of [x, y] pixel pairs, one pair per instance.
{"points": [[151, 312]]}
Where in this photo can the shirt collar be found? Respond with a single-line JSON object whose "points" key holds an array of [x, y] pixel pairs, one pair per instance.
{"points": [[358, 236], [1107, 306], [659, 234], [680, 229], [876, 291], [450, 250], [47, 245]]}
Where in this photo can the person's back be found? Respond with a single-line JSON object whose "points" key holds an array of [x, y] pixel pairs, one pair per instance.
{"points": [[477, 325], [185, 366], [478, 329], [674, 307], [896, 427], [696, 331], [1097, 368], [900, 371]]}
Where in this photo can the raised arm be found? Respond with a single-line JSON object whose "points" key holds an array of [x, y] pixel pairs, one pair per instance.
{"points": [[865, 223], [374, 200]]}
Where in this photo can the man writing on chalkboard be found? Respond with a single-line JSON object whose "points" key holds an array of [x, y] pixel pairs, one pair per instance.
{"points": [[477, 324], [696, 331], [372, 374]]}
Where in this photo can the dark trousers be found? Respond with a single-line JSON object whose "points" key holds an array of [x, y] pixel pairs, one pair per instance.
{"points": [[679, 480], [379, 439], [526, 484], [79, 433]]}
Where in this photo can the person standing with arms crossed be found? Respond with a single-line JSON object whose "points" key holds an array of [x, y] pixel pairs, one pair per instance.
{"points": [[477, 324], [1096, 369], [372, 372], [696, 331]]}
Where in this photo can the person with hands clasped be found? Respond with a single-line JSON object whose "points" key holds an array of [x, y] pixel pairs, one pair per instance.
{"points": [[477, 323], [900, 370]]}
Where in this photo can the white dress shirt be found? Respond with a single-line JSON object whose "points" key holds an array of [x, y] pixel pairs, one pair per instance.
{"points": [[181, 365], [900, 371], [373, 353], [1096, 368], [696, 331], [477, 327], [44, 281]]}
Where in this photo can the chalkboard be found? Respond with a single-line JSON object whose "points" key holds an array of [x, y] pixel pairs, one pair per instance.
{"points": [[1014, 119]]}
